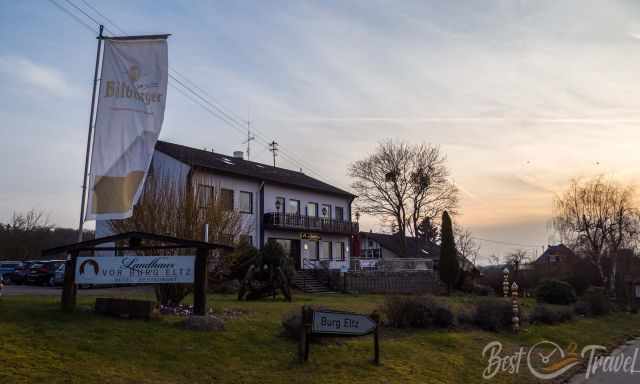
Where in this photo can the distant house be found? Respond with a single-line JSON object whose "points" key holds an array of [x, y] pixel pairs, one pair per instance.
{"points": [[557, 260], [374, 250]]}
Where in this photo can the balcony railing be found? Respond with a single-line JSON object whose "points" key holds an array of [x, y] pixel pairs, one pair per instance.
{"points": [[292, 221]]}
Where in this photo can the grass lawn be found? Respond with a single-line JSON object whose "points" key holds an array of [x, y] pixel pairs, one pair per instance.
{"points": [[38, 343]]}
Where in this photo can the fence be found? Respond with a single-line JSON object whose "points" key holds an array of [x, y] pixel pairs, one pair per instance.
{"points": [[391, 282], [391, 265]]}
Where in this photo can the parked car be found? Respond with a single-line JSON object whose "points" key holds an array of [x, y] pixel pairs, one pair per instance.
{"points": [[18, 276], [43, 272], [6, 268], [58, 278]]}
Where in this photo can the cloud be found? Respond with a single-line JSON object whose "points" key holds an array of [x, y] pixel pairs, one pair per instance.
{"points": [[37, 75]]}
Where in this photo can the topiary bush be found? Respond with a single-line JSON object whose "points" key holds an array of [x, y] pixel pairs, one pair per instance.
{"points": [[544, 314], [482, 290], [416, 312], [582, 308], [493, 314], [598, 301], [555, 292]]}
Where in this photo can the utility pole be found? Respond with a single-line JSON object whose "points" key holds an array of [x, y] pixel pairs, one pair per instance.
{"points": [[273, 147]]}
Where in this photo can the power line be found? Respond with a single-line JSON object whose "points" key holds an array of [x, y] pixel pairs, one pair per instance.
{"points": [[104, 17], [83, 12], [69, 13], [220, 112], [506, 243]]}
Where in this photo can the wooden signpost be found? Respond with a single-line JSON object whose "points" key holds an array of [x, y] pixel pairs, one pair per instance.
{"points": [[338, 323]]}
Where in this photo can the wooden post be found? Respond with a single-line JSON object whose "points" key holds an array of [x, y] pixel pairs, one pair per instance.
{"points": [[68, 300], [376, 338], [307, 318], [200, 282], [303, 336]]}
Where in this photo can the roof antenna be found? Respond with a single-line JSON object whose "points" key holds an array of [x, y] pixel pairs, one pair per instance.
{"points": [[249, 137]]}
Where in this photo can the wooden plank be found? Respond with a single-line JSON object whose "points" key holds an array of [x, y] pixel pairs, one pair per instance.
{"points": [[69, 290], [200, 282]]}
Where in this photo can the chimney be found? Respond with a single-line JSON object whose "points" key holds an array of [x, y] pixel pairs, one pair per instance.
{"points": [[238, 155]]}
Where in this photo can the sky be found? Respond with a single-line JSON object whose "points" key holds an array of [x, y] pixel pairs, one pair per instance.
{"points": [[521, 96]]}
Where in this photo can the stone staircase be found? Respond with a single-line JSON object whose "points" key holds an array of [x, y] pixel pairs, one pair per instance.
{"points": [[306, 281]]}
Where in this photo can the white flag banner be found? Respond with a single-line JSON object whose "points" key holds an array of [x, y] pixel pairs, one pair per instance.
{"points": [[131, 103]]}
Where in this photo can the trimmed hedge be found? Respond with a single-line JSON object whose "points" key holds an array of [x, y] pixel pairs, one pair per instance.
{"points": [[598, 301], [416, 312], [555, 292], [493, 314], [544, 314]]}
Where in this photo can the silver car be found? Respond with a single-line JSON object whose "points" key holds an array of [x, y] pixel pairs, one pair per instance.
{"points": [[58, 277]]}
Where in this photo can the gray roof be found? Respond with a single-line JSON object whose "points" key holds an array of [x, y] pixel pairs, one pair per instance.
{"points": [[392, 243], [560, 250], [250, 169]]}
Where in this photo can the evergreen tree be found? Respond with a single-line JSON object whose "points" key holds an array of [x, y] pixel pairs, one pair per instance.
{"points": [[449, 268]]}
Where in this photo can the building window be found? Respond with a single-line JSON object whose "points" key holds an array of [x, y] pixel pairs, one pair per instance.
{"points": [[312, 209], [325, 250], [339, 213], [325, 212], [246, 202], [294, 206], [312, 249], [227, 199], [341, 252], [280, 208], [204, 195], [247, 239]]}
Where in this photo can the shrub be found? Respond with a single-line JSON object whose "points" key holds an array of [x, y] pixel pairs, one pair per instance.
{"points": [[465, 317], [493, 314], [482, 290], [442, 317], [545, 314], [555, 292], [582, 308], [416, 312], [598, 301]]}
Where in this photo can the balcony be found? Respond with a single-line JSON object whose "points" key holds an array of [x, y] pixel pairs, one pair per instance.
{"points": [[293, 222]]}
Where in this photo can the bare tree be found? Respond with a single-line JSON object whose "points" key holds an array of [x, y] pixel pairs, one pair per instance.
{"points": [[599, 217], [172, 209], [517, 258], [467, 246], [404, 184], [32, 220], [494, 259]]}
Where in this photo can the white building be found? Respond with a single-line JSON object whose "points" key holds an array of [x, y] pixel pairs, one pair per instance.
{"points": [[309, 218]]}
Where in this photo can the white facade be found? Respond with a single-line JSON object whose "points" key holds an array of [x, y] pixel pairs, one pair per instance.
{"points": [[325, 250]]}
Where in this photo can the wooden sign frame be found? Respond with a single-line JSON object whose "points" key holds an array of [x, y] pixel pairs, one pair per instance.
{"points": [[306, 332], [135, 243]]}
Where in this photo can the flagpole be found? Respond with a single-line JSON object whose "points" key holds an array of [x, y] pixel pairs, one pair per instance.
{"points": [[89, 136]]}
